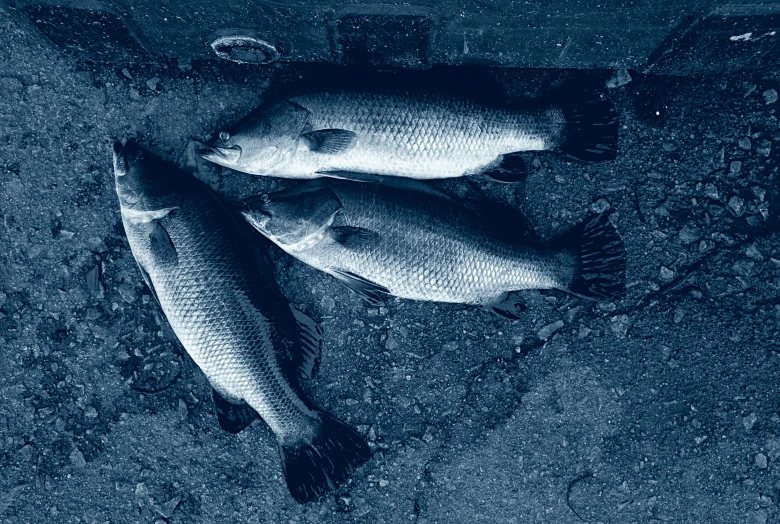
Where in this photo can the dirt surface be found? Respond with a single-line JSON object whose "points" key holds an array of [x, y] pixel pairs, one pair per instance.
{"points": [[660, 408]]}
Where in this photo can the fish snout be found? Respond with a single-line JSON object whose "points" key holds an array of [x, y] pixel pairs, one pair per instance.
{"points": [[221, 154], [256, 211]]}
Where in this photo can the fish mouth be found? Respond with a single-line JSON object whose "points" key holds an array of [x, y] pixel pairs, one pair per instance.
{"points": [[221, 155], [120, 159]]}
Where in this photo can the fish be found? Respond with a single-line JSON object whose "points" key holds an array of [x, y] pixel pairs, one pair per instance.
{"points": [[414, 135], [385, 240], [217, 291]]}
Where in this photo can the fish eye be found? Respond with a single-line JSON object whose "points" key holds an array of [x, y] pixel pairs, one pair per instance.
{"points": [[224, 135], [265, 198]]}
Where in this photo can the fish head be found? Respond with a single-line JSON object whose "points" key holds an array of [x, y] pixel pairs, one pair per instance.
{"points": [[144, 183], [294, 219], [262, 141]]}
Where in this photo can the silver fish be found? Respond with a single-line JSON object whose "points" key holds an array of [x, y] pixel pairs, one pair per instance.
{"points": [[222, 302], [382, 240], [416, 136]]}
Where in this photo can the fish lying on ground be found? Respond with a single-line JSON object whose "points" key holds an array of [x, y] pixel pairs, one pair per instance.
{"points": [[412, 135], [382, 240], [222, 302]]}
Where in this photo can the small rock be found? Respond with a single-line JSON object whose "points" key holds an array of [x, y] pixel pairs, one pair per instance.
{"points": [[760, 460], [710, 191], [737, 205], [91, 412], [667, 275], [10, 84], [351, 402], [167, 509], [749, 421], [619, 325], [759, 192], [753, 252], [428, 435], [735, 167], [764, 148], [93, 280], [3, 298], [679, 314], [141, 490], [127, 293], [77, 458], [127, 74], [770, 96], [620, 78], [152, 83], [135, 94], [384, 483], [183, 409], [744, 143], [689, 234], [600, 205], [548, 330], [584, 332]]}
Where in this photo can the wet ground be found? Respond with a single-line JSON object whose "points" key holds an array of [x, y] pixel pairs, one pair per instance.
{"points": [[660, 408]]}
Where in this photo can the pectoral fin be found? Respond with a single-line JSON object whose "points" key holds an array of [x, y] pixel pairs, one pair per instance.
{"points": [[372, 293], [161, 246], [354, 237], [232, 415], [308, 359], [329, 141]]}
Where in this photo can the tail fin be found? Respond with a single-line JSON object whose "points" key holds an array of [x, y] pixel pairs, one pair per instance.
{"points": [[601, 255], [313, 468], [591, 133]]}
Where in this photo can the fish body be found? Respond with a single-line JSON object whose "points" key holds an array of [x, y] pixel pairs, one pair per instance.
{"points": [[421, 136], [224, 306], [380, 239]]}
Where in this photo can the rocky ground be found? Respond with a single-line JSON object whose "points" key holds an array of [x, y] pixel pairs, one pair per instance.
{"points": [[660, 408]]}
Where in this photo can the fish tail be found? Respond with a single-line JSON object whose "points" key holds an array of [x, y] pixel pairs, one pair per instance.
{"points": [[601, 258], [591, 132], [314, 467]]}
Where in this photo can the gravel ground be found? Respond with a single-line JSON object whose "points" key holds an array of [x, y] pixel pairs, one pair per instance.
{"points": [[660, 408]]}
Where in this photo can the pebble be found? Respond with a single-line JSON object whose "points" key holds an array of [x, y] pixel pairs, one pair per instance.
{"points": [[759, 192], [620, 78], [384, 483], [548, 330], [428, 435], [760, 461], [735, 167], [600, 205], [152, 83], [127, 74], [690, 234], [619, 325], [183, 409], [710, 191], [167, 509], [351, 402], [327, 303], [127, 293], [77, 458], [3, 298], [666, 274], [749, 421], [764, 148], [737, 205], [753, 252], [679, 314], [744, 143], [91, 412], [10, 84], [770, 96], [134, 94], [584, 332]]}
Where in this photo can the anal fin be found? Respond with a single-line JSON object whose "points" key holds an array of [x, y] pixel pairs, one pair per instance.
{"points": [[372, 293], [232, 416], [307, 360]]}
